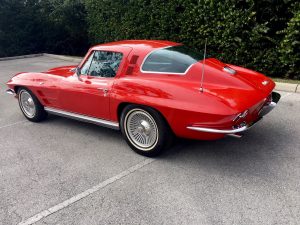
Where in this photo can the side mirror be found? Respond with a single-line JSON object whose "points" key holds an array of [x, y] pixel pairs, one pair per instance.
{"points": [[78, 72]]}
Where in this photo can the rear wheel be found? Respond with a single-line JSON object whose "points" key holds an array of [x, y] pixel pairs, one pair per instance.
{"points": [[145, 130], [30, 105]]}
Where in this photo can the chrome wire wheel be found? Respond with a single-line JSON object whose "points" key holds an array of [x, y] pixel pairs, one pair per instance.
{"points": [[141, 129], [27, 104]]}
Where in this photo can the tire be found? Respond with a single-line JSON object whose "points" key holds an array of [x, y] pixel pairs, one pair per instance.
{"points": [[30, 106], [145, 130]]}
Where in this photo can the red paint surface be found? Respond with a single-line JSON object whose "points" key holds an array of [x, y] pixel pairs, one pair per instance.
{"points": [[176, 97]]}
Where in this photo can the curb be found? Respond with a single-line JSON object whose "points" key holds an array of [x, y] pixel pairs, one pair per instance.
{"points": [[287, 87], [62, 57], [21, 57]]}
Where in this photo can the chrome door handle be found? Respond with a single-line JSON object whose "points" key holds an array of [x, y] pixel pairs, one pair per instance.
{"points": [[105, 90]]}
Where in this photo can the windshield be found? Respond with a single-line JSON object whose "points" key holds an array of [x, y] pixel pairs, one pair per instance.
{"points": [[175, 59]]}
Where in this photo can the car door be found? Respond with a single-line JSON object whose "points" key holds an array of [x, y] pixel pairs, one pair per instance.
{"points": [[90, 93]]}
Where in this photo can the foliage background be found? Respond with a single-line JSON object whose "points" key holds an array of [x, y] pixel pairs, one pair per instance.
{"points": [[258, 34]]}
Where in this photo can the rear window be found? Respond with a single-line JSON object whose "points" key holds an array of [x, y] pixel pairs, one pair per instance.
{"points": [[175, 59]]}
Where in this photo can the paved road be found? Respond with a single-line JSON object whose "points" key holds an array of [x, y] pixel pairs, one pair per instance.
{"points": [[253, 180]]}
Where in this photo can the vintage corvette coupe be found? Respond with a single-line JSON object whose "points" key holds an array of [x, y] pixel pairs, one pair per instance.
{"points": [[151, 90]]}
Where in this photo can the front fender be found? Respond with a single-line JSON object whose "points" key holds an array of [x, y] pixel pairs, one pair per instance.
{"points": [[43, 86]]}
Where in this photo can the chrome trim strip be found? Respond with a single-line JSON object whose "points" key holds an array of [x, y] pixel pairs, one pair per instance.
{"points": [[211, 130], [218, 131], [101, 122], [11, 92]]}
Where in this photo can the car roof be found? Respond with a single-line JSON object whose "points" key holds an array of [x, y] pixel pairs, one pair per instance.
{"points": [[146, 45]]}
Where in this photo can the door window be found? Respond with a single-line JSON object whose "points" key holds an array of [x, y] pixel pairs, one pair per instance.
{"points": [[102, 64]]}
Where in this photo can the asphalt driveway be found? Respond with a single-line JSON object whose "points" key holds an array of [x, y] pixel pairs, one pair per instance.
{"points": [[68, 172]]}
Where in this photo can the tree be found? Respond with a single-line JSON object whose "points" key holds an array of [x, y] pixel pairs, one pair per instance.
{"points": [[21, 26]]}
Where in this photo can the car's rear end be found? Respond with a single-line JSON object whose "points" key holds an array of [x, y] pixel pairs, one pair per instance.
{"points": [[247, 92], [203, 100]]}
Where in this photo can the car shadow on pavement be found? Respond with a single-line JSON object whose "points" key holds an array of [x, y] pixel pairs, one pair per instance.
{"points": [[81, 126], [252, 154], [261, 148]]}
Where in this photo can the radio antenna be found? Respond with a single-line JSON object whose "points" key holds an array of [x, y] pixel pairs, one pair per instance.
{"points": [[203, 63]]}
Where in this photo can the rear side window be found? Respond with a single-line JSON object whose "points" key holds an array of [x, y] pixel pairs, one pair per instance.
{"points": [[176, 59]]}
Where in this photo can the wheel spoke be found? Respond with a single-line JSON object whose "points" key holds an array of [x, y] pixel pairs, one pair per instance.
{"points": [[141, 129], [27, 103]]}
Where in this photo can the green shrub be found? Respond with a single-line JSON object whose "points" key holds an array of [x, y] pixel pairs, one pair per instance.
{"points": [[66, 29], [290, 45], [136, 19], [20, 27], [231, 29], [245, 33], [34, 26], [259, 34]]}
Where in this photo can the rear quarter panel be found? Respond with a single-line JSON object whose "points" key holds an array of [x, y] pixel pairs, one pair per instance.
{"points": [[176, 98], [180, 101]]}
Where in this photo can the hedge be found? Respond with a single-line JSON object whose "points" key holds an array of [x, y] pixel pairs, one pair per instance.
{"points": [[35, 26], [245, 33], [258, 34]]}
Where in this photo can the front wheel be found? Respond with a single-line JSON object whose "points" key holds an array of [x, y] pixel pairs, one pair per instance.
{"points": [[30, 105], [145, 130]]}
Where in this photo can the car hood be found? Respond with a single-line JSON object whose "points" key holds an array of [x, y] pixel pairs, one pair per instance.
{"points": [[64, 71]]}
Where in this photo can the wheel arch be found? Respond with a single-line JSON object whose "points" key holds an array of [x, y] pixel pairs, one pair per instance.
{"points": [[17, 87], [122, 105]]}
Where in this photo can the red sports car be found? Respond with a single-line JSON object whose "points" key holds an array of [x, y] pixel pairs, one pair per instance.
{"points": [[151, 90]]}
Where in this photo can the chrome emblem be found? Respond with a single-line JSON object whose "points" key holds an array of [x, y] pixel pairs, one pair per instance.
{"points": [[229, 70], [241, 115], [265, 82]]}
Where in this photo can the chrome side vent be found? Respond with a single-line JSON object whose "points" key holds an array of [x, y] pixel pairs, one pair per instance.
{"points": [[129, 70], [134, 59], [229, 70]]}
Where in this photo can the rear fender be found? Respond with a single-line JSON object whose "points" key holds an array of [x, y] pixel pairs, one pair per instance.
{"points": [[181, 103]]}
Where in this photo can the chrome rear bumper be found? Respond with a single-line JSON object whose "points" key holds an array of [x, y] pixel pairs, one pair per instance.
{"points": [[270, 105], [265, 110], [217, 131]]}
